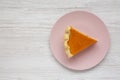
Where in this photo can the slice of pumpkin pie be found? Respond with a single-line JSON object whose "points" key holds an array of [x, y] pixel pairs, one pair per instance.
{"points": [[75, 41]]}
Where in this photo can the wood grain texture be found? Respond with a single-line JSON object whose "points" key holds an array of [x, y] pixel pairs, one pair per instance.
{"points": [[25, 27]]}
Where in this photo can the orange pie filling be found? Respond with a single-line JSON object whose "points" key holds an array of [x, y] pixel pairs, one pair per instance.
{"points": [[75, 41]]}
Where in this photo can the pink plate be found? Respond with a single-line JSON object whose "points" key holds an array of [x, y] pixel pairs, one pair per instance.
{"points": [[88, 24]]}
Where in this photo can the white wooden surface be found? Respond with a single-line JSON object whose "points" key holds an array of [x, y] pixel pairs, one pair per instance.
{"points": [[25, 27]]}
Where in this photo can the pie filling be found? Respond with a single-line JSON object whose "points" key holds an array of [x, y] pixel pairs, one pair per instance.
{"points": [[75, 41]]}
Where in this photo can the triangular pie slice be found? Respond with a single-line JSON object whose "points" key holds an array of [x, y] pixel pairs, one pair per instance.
{"points": [[75, 41]]}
